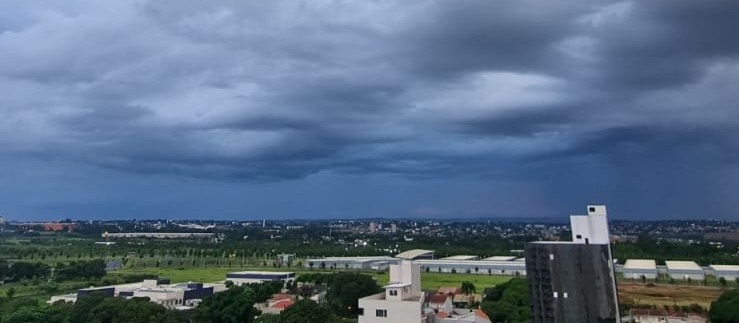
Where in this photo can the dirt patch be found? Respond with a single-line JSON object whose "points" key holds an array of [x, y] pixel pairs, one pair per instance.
{"points": [[664, 294]]}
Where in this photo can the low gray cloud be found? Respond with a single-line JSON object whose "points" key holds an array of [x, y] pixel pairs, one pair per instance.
{"points": [[259, 92]]}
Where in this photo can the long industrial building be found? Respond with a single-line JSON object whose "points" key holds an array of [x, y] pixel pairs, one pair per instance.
{"points": [[684, 270], [728, 272], [638, 268], [499, 265]]}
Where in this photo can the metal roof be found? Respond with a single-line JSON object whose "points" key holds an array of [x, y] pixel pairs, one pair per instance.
{"points": [[725, 267], [649, 264], [682, 265], [501, 258], [413, 254], [461, 257]]}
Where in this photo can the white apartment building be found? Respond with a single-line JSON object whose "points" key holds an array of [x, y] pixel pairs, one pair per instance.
{"points": [[402, 300]]}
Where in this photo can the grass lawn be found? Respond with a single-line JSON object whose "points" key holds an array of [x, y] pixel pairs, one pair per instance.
{"points": [[432, 281]]}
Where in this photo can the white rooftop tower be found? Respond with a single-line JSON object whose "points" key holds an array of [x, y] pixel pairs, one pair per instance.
{"points": [[591, 228]]}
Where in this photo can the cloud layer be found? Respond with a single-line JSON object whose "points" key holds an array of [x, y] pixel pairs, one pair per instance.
{"points": [[261, 92]]}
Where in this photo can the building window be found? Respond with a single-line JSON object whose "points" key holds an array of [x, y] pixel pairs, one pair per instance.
{"points": [[381, 313], [360, 311], [393, 293], [578, 236]]}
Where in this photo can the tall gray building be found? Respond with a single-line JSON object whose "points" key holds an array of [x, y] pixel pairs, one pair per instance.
{"points": [[574, 281]]}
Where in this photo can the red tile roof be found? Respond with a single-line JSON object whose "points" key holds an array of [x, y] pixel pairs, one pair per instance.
{"points": [[438, 298], [482, 314], [283, 304]]}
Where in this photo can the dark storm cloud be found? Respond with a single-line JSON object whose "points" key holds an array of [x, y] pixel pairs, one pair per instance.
{"points": [[267, 91]]}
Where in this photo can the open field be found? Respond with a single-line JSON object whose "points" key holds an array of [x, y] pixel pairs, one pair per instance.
{"points": [[664, 294]]}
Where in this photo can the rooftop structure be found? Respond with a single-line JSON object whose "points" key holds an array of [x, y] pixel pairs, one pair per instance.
{"points": [[402, 300], [591, 228]]}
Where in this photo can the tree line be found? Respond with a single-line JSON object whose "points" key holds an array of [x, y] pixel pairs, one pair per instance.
{"points": [[20, 270], [236, 304]]}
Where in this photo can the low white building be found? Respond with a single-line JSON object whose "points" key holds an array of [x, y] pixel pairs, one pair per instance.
{"points": [[728, 272], [158, 291], [402, 300], [257, 277], [684, 270], [638, 268]]}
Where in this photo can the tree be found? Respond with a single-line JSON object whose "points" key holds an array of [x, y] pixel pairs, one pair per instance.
{"points": [[508, 302], [27, 270], [346, 289], [234, 305], [306, 311], [3, 269], [726, 308], [468, 288], [722, 281], [10, 292]]}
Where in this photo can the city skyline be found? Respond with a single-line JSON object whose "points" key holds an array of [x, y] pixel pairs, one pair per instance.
{"points": [[341, 109]]}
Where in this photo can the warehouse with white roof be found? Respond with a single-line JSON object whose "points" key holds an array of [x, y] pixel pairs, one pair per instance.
{"points": [[728, 272], [638, 268], [684, 270]]}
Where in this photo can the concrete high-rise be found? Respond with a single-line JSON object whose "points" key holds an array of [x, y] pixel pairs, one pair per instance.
{"points": [[574, 281]]}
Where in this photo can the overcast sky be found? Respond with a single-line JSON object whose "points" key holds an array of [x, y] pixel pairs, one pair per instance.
{"points": [[324, 109]]}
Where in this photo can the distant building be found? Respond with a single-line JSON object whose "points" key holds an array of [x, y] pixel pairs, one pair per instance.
{"points": [[179, 296], [257, 277], [638, 268], [501, 265], [728, 272], [113, 265], [50, 226], [364, 263], [684, 270], [159, 235], [574, 281], [285, 259]]}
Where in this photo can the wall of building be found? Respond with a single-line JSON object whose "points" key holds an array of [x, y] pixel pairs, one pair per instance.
{"points": [[638, 273], [397, 311], [571, 283], [685, 274]]}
